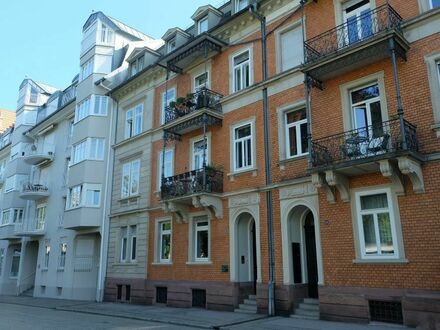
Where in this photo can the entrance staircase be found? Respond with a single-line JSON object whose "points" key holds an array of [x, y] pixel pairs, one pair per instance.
{"points": [[249, 306], [28, 293], [308, 309]]}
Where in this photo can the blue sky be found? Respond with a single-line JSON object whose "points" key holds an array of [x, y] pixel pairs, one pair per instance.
{"points": [[41, 39]]}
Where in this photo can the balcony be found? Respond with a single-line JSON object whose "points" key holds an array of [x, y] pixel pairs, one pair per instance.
{"points": [[376, 148], [40, 156], [199, 188], [355, 44], [83, 218], [33, 227], [8, 231], [34, 192], [191, 113]]}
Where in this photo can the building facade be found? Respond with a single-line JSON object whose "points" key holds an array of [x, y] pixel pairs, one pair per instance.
{"points": [[7, 119]]}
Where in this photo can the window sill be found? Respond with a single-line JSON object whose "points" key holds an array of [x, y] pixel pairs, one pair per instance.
{"points": [[199, 263], [60, 270], [129, 199], [232, 175], [162, 263], [129, 263], [381, 261], [282, 163]]}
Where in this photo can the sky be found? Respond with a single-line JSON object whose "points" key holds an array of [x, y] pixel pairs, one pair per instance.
{"points": [[41, 39]]}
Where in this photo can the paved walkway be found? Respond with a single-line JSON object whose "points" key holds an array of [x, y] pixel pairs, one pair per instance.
{"points": [[168, 317]]}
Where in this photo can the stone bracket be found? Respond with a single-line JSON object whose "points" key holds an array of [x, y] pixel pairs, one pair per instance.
{"points": [[391, 171], [180, 210], [212, 204], [340, 182], [318, 180], [413, 170]]}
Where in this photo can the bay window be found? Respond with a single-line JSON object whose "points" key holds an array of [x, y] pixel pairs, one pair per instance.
{"points": [[91, 149], [84, 195], [94, 105]]}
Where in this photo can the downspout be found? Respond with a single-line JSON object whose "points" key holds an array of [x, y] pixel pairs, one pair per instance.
{"points": [[271, 282], [105, 230]]}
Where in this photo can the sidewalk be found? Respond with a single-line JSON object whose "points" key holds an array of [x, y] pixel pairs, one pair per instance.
{"points": [[190, 317]]}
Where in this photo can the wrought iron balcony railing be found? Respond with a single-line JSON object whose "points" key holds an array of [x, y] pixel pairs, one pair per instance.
{"points": [[204, 180], [365, 27], [361, 144], [34, 188], [202, 99]]}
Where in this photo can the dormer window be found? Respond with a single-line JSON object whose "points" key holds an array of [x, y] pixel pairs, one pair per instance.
{"points": [[203, 24], [241, 4], [137, 65], [106, 34], [171, 45], [33, 98]]}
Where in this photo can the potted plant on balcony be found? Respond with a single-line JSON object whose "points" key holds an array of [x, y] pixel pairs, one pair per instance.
{"points": [[182, 105]]}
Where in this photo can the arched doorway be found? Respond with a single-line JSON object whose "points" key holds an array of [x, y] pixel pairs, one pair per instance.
{"points": [[303, 251], [246, 249]]}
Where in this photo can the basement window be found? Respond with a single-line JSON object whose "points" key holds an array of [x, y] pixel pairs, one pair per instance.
{"points": [[386, 311], [199, 298], [161, 295]]}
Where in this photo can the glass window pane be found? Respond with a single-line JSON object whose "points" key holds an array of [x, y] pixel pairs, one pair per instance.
{"points": [[166, 246], [292, 141], [202, 243], [369, 234], [364, 94], [294, 116], [376, 119], [304, 142], [243, 132], [386, 237], [435, 3], [370, 202]]}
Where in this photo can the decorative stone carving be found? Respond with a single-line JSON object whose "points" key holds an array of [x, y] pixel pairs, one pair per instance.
{"points": [[340, 182], [245, 199], [390, 171], [413, 169], [318, 180], [212, 204], [297, 190], [180, 210]]}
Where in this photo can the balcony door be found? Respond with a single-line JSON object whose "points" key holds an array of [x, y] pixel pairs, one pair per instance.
{"points": [[367, 112], [358, 19], [199, 149]]}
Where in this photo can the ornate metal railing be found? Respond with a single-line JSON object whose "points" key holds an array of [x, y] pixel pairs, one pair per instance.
{"points": [[202, 99], [34, 187], [363, 143], [365, 27], [204, 180]]}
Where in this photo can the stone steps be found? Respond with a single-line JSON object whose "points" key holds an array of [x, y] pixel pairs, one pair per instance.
{"points": [[249, 306], [308, 310]]}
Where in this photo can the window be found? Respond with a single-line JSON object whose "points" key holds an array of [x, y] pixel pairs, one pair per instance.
{"points": [[75, 196], [130, 178], [87, 69], [203, 24], [128, 243], [63, 253], [291, 49], [95, 105], [169, 165], [200, 149], [434, 3], [46, 255], [201, 228], [124, 242], [240, 5], [171, 45], [41, 217], [15, 182], [376, 224], [201, 81], [11, 216], [15, 264], [137, 65], [243, 147], [71, 130], [91, 148], [33, 98], [165, 241], [106, 34], [93, 197], [167, 97], [133, 231], [296, 133], [133, 121], [241, 71], [358, 17], [2, 257]]}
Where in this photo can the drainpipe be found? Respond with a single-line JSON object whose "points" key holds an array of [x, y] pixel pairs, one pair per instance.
{"points": [[271, 284], [105, 230]]}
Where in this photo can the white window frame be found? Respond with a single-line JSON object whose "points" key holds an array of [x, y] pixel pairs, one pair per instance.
{"points": [[202, 21], [279, 44], [196, 229], [240, 66], [431, 5], [171, 44], [106, 35], [238, 5], [92, 188], [40, 216], [12, 216], [165, 101], [128, 169], [195, 140], [82, 191], [159, 181], [87, 69], [133, 242], [46, 259], [297, 125], [16, 254], [135, 115], [360, 227], [63, 256], [160, 234], [94, 105], [251, 137], [92, 148], [206, 85], [123, 244]]}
